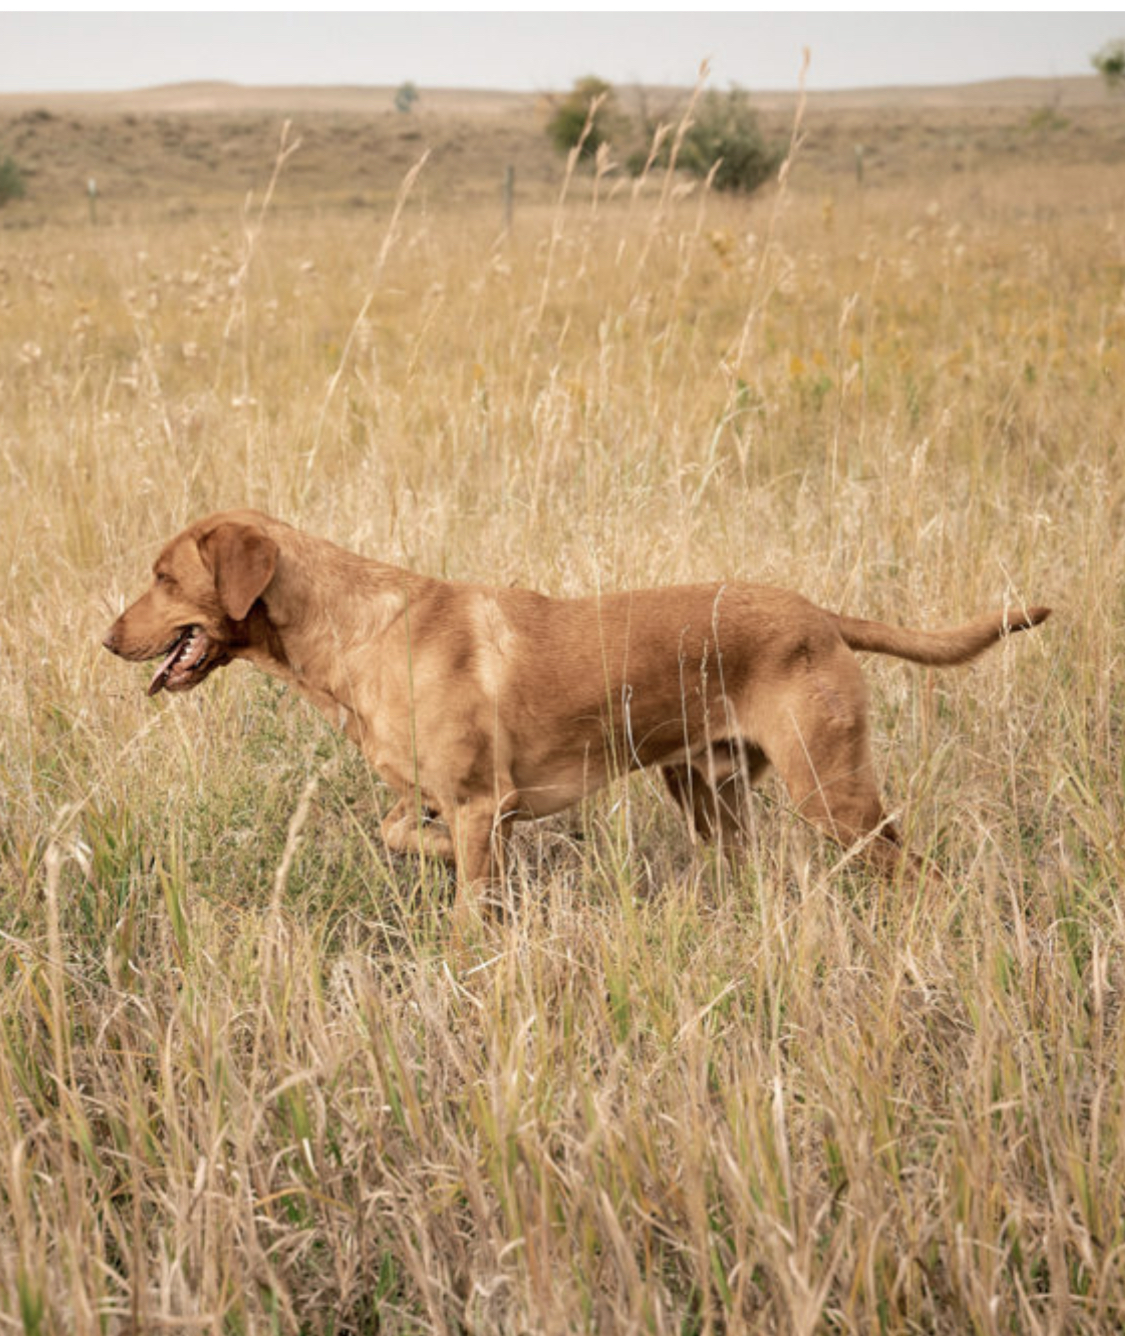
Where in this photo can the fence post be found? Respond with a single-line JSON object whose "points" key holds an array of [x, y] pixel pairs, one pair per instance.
{"points": [[509, 195]]}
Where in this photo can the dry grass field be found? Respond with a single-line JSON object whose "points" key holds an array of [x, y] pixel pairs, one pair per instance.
{"points": [[244, 1088]]}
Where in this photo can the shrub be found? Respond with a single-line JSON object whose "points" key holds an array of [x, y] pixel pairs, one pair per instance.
{"points": [[11, 181], [726, 131], [1110, 63], [405, 98], [568, 122]]}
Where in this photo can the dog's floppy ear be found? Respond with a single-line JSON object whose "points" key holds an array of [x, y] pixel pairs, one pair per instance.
{"points": [[242, 560]]}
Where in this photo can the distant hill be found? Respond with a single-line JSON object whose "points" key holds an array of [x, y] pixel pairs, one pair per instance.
{"points": [[1080, 91]]}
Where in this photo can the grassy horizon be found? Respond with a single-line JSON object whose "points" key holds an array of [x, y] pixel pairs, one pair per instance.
{"points": [[244, 1087]]}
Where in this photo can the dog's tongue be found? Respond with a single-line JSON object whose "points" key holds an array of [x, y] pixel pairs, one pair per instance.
{"points": [[161, 674]]}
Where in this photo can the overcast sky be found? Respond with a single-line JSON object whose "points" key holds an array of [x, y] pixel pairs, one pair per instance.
{"points": [[522, 50]]}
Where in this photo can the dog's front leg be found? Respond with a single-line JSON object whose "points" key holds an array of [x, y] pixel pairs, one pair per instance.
{"points": [[481, 828], [472, 826], [407, 829]]}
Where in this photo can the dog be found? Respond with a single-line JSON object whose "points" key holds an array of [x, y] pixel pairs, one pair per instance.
{"points": [[484, 706]]}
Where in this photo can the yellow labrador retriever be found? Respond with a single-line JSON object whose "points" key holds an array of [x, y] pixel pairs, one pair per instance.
{"points": [[483, 706]]}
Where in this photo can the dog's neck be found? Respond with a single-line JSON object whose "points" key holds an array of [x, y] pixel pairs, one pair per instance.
{"points": [[305, 632]]}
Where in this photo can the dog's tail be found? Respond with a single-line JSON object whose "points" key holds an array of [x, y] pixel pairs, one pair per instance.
{"points": [[939, 648]]}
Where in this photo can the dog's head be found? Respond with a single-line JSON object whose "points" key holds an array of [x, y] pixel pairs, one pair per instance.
{"points": [[194, 616]]}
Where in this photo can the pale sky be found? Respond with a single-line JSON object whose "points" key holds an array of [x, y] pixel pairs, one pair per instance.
{"points": [[540, 51]]}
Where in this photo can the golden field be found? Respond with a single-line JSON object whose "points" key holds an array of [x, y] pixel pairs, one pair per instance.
{"points": [[244, 1086]]}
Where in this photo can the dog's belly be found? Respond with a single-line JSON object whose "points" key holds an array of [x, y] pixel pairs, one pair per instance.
{"points": [[548, 788]]}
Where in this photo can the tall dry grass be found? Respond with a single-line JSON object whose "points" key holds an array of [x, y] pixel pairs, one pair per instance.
{"points": [[242, 1087]]}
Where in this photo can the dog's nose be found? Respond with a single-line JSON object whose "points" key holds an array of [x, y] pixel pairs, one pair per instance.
{"points": [[109, 640]]}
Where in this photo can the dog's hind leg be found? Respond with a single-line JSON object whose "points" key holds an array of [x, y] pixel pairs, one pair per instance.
{"points": [[713, 792], [710, 809], [817, 739]]}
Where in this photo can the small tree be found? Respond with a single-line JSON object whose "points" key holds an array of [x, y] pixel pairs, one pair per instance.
{"points": [[569, 120], [726, 131], [1110, 64], [12, 184], [406, 97]]}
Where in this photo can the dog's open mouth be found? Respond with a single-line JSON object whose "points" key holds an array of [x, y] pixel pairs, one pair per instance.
{"points": [[186, 662]]}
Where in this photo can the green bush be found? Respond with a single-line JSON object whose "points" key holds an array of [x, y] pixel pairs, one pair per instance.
{"points": [[405, 98], [569, 119], [726, 131], [1110, 63], [11, 181]]}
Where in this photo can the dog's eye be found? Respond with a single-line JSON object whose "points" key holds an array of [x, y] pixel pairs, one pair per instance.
{"points": [[163, 578]]}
